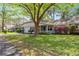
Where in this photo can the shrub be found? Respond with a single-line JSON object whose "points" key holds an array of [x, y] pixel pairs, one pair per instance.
{"points": [[5, 31], [72, 28]]}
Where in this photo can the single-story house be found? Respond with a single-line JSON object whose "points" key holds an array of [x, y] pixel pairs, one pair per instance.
{"points": [[47, 26], [50, 26]]}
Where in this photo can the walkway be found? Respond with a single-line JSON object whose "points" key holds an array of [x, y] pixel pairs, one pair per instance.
{"points": [[6, 48]]}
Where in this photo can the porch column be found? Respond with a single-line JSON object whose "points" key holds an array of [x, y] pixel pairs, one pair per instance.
{"points": [[46, 28], [40, 29]]}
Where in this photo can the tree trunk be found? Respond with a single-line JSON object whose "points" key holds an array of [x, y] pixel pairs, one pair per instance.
{"points": [[36, 28], [3, 25], [3, 17], [63, 15]]}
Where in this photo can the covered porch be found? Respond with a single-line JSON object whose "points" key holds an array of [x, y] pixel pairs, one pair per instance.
{"points": [[47, 29]]}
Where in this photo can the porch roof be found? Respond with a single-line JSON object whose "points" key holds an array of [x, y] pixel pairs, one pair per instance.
{"points": [[46, 23]]}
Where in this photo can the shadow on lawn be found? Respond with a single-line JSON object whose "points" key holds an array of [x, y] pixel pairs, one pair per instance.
{"points": [[45, 45]]}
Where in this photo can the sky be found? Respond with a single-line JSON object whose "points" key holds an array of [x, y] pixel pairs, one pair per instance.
{"points": [[57, 16]]}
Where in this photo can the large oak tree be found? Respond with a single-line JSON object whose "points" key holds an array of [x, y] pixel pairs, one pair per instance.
{"points": [[36, 11]]}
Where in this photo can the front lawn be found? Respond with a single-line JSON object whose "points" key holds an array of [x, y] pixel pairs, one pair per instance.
{"points": [[48, 44]]}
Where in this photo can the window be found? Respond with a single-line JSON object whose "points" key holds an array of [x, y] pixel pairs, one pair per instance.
{"points": [[49, 27], [43, 28]]}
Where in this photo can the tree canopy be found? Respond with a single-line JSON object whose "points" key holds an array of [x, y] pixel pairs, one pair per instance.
{"points": [[36, 11]]}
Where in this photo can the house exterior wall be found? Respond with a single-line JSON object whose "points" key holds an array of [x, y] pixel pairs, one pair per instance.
{"points": [[27, 27]]}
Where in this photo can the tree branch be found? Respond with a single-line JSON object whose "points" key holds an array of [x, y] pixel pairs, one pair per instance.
{"points": [[46, 10], [34, 12], [27, 9], [39, 7]]}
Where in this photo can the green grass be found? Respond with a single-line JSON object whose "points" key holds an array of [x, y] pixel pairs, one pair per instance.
{"points": [[8, 33], [61, 44]]}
